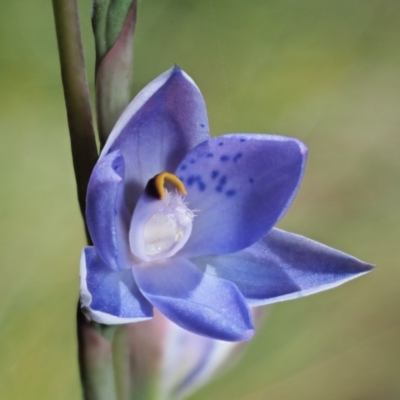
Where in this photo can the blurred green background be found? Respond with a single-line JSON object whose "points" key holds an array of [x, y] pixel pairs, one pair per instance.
{"points": [[327, 72]]}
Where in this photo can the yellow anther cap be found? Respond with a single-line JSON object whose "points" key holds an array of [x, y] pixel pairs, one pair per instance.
{"points": [[156, 185]]}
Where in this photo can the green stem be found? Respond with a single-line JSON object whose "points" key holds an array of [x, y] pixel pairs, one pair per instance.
{"points": [[121, 363], [76, 94], [145, 352], [95, 360], [95, 352], [134, 370]]}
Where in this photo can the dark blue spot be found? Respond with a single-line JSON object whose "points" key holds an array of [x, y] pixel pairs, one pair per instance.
{"points": [[183, 167], [202, 125], [221, 183], [201, 185], [210, 155], [214, 174], [224, 158], [238, 155], [192, 161], [242, 140], [230, 192], [251, 180], [192, 179], [220, 143], [196, 179], [222, 180]]}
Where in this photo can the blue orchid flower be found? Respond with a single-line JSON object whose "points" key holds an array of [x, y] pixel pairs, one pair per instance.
{"points": [[184, 223]]}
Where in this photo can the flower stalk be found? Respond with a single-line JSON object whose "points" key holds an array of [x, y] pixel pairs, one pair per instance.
{"points": [[76, 94], [145, 343], [121, 363], [96, 359], [94, 351]]}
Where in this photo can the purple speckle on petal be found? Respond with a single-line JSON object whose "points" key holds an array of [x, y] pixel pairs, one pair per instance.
{"points": [[230, 192], [201, 185], [192, 161], [202, 125], [224, 158], [192, 179], [237, 156], [222, 180], [196, 179], [221, 183], [220, 143], [210, 155], [214, 174], [242, 140], [183, 167], [251, 180]]}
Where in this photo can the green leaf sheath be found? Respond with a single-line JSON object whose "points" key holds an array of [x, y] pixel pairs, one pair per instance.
{"points": [[108, 20], [114, 26]]}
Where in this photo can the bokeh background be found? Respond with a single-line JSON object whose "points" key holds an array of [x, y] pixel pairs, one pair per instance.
{"points": [[325, 71]]}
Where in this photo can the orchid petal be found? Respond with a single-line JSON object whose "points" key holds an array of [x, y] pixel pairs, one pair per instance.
{"points": [[283, 266], [200, 303], [107, 296], [106, 212], [240, 186], [165, 120], [190, 361]]}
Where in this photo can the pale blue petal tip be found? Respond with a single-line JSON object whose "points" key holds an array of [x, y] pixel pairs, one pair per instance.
{"points": [[283, 266], [177, 68]]}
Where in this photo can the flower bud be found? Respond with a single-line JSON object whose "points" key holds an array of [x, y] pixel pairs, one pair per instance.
{"points": [[175, 362], [113, 24]]}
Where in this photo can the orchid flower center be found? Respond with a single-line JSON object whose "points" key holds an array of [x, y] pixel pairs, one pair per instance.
{"points": [[162, 221]]}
